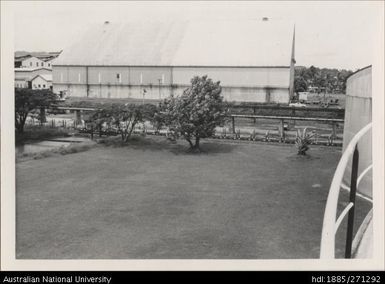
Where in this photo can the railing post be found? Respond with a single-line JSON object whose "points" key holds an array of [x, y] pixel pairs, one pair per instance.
{"points": [[78, 116], [334, 135], [92, 132], [233, 124], [254, 112], [352, 198], [282, 130]]}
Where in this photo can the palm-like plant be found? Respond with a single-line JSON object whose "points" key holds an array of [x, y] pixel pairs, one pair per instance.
{"points": [[267, 136], [253, 135], [303, 140]]}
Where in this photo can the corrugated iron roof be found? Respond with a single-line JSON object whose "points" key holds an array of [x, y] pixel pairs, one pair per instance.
{"points": [[183, 43], [22, 58], [46, 77], [28, 69]]}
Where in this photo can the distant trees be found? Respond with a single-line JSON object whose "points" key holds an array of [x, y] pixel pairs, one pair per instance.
{"points": [[196, 113], [27, 101], [330, 80], [300, 84]]}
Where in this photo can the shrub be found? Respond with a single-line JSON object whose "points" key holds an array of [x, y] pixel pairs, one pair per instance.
{"points": [[303, 140], [122, 117]]}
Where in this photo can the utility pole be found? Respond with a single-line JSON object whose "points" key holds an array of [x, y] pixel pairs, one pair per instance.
{"points": [[159, 80], [292, 68], [144, 93]]}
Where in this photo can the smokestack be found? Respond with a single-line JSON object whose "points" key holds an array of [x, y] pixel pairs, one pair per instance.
{"points": [[292, 67]]}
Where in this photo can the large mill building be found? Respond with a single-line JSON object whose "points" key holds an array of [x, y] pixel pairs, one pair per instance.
{"points": [[253, 59]]}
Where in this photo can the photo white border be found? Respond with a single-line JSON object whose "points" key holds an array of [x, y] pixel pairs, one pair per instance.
{"points": [[8, 200]]}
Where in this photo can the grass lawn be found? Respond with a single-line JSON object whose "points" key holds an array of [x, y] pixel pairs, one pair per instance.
{"points": [[153, 200]]}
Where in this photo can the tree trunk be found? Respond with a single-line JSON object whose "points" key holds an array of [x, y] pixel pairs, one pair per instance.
{"points": [[130, 132], [20, 124], [92, 132], [189, 141], [124, 135], [20, 128], [196, 146], [42, 115]]}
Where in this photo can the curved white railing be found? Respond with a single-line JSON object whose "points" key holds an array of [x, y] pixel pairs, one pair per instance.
{"points": [[362, 230], [364, 172], [330, 225]]}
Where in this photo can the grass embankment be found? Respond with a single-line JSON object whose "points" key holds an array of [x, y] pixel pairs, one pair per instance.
{"points": [[39, 133], [114, 141], [63, 150], [35, 134]]}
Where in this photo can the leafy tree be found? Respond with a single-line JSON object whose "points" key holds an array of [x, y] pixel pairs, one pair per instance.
{"points": [[28, 101], [158, 119], [342, 77], [312, 71], [123, 117], [196, 113], [97, 119], [300, 84], [333, 80], [148, 112]]}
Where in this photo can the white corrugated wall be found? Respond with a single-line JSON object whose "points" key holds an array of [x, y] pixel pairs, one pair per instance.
{"points": [[358, 113]]}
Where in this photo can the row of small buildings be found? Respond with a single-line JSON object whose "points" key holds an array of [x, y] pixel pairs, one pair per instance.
{"points": [[34, 70]]}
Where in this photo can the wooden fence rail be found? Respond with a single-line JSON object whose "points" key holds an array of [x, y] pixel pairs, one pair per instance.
{"points": [[282, 118]]}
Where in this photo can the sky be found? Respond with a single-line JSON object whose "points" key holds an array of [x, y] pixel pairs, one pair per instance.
{"points": [[328, 34]]}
